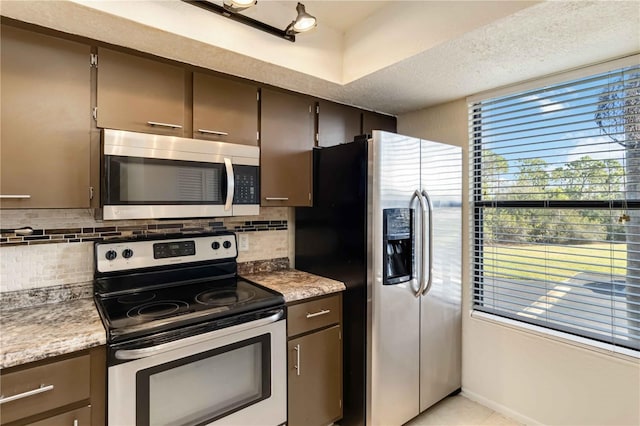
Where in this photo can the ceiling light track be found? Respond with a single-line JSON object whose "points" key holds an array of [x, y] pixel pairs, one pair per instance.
{"points": [[229, 12]]}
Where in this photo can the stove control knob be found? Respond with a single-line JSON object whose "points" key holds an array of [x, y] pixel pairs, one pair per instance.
{"points": [[127, 253], [111, 254], [226, 244], [215, 245]]}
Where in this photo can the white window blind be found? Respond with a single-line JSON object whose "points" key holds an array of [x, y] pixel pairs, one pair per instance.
{"points": [[556, 202]]}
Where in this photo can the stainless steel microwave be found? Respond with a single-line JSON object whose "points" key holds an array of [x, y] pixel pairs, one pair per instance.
{"points": [[148, 176]]}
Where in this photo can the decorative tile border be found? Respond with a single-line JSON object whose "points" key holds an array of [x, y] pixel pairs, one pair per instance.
{"points": [[84, 234]]}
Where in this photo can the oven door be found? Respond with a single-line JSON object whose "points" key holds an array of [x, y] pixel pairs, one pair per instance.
{"points": [[150, 177], [231, 376]]}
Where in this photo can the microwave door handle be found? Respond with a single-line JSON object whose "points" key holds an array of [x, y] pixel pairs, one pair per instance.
{"points": [[426, 290], [230, 183], [423, 210]]}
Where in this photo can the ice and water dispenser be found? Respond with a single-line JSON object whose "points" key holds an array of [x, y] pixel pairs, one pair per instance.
{"points": [[398, 245]]}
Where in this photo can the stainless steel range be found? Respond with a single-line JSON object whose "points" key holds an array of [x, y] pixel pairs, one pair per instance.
{"points": [[189, 342]]}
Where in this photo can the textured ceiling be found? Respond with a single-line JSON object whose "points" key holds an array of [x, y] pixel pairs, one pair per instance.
{"points": [[406, 72]]}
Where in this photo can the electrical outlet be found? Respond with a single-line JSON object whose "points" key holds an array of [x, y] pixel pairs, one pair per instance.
{"points": [[243, 242]]}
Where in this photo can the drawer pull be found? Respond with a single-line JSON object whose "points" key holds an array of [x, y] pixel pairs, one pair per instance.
{"points": [[276, 198], [27, 230], [15, 197], [159, 124], [213, 132], [26, 394], [317, 314]]}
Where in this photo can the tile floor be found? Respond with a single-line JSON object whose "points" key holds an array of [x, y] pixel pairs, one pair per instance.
{"points": [[460, 411]]}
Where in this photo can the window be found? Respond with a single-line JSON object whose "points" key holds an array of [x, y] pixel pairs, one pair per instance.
{"points": [[556, 206]]}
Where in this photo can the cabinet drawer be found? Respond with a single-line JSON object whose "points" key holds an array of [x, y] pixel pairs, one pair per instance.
{"points": [[311, 315], [79, 417], [56, 384]]}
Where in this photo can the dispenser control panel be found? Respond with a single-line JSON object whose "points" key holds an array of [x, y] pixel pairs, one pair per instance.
{"points": [[398, 245]]}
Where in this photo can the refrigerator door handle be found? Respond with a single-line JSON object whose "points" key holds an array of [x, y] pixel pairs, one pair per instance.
{"points": [[427, 288], [423, 208]]}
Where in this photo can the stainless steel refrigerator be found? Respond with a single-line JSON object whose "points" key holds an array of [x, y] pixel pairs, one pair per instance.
{"points": [[386, 221]]}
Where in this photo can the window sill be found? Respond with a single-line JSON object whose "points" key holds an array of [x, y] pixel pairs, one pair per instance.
{"points": [[566, 338]]}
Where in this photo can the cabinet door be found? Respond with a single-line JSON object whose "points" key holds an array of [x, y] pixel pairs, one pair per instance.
{"points": [[46, 121], [79, 417], [337, 123], [315, 378], [286, 141], [140, 94], [45, 387], [375, 121], [224, 110]]}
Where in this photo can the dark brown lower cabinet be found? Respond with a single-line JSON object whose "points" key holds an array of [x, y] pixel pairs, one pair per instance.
{"points": [[315, 369], [79, 417], [68, 390]]}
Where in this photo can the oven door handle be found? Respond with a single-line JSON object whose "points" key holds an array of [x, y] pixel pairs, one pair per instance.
{"points": [[131, 354]]}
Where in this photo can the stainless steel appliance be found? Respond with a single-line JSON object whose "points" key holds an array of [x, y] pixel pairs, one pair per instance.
{"points": [[189, 342], [387, 222], [148, 176]]}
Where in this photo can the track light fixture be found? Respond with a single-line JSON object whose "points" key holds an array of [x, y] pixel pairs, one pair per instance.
{"points": [[231, 8], [303, 22]]}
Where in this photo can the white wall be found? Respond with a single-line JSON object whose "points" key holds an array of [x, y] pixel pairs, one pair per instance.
{"points": [[530, 377]]}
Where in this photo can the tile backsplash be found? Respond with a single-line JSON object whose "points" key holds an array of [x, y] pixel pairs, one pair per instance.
{"points": [[60, 249]]}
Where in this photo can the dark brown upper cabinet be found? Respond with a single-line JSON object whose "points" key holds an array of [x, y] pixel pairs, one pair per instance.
{"points": [[286, 143], [46, 121], [376, 121], [224, 110], [141, 95], [337, 123]]}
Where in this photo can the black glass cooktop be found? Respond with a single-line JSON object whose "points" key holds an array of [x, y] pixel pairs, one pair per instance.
{"points": [[144, 312]]}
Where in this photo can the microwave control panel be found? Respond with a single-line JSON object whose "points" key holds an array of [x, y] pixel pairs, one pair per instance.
{"points": [[247, 185]]}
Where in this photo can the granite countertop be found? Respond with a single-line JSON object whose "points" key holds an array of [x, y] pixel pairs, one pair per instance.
{"points": [[296, 285], [35, 333], [72, 323]]}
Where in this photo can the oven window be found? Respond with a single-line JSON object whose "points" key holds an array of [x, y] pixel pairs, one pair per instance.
{"points": [[133, 180], [201, 388]]}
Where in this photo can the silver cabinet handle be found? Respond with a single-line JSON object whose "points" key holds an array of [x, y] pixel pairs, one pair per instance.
{"points": [[317, 314], [16, 196], [159, 124], [213, 132], [297, 366], [230, 183], [75, 422], [128, 354], [27, 230], [41, 389], [427, 288], [423, 208], [276, 198]]}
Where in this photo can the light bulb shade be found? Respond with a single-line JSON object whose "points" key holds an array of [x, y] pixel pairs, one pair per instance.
{"points": [[243, 3], [238, 5], [304, 21]]}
